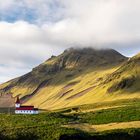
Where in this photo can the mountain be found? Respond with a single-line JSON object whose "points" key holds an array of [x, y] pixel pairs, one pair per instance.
{"points": [[76, 77], [126, 78]]}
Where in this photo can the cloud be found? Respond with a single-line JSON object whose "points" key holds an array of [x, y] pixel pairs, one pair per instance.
{"points": [[98, 22], [90, 22], [22, 47], [31, 31]]}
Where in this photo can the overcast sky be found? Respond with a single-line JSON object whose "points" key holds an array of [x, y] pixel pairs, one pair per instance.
{"points": [[33, 30]]}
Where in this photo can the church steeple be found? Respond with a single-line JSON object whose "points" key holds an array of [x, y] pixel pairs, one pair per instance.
{"points": [[17, 104]]}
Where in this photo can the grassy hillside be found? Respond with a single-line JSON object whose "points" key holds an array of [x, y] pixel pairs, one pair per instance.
{"points": [[78, 77], [73, 124]]}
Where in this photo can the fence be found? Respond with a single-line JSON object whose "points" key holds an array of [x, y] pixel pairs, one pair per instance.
{"points": [[7, 110]]}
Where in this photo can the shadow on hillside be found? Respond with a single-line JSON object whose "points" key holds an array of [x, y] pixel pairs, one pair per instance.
{"points": [[126, 85], [134, 88], [132, 135], [129, 134], [28, 136]]}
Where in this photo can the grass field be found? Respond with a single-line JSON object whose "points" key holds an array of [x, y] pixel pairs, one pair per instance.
{"points": [[51, 125]]}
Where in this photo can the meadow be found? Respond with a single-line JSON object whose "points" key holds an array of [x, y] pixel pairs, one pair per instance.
{"points": [[51, 125]]}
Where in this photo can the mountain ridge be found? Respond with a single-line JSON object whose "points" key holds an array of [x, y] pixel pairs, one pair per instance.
{"points": [[75, 77]]}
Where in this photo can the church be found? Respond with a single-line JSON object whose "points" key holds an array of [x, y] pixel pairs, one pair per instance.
{"points": [[19, 109]]}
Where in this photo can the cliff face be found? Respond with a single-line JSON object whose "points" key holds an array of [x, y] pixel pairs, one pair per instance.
{"points": [[63, 77]]}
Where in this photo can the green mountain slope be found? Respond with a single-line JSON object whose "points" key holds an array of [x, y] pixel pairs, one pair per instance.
{"points": [[78, 77], [127, 78]]}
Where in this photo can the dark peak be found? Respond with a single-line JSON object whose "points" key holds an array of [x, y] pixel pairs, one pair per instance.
{"points": [[90, 50], [81, 50], [92, 53], [74, 58], [52, 57]]}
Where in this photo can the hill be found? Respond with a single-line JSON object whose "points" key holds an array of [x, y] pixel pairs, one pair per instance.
{"points": [[127, 78], [77, 77]]}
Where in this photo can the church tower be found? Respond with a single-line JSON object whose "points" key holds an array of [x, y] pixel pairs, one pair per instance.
{"points": [[17, 104]]}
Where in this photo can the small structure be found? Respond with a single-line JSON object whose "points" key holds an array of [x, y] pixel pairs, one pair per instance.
{"points": [[24, 109]]}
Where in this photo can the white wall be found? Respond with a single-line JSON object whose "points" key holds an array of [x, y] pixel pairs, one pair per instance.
{"points": [[26, 112], [17, 105]]}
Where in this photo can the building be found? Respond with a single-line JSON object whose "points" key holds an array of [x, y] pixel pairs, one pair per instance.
{"points": [[24, 109]]}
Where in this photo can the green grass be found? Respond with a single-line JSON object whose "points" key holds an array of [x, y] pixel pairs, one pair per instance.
{"points": [[11, 121], [120, 114], [129, 112], [48, 126], [42, 126]]}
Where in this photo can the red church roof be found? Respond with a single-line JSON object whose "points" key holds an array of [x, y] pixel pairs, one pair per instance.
{"points": [[25, 108]]}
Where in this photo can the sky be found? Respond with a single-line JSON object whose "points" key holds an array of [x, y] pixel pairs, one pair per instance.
{"points": [[33, 30]]}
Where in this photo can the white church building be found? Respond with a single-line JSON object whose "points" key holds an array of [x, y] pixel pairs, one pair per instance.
{"points": [[24, 109]]}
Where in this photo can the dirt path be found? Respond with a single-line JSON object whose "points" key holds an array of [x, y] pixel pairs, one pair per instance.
{"points": [[104, 127]]}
